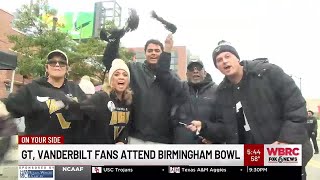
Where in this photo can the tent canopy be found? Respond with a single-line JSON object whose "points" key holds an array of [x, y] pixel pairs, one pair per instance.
{"points": [[8, 61]]}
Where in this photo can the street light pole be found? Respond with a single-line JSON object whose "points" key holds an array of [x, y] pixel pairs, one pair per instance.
{"points": [[54, 23], [300, 81]]}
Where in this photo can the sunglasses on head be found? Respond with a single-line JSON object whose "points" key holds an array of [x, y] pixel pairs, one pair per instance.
{"points": [[198, 66], [53, 63]]}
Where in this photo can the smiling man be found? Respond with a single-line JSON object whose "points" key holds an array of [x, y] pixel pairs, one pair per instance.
{"points": [[259, 102], [201, 96], [193, 99], [150, 118]]}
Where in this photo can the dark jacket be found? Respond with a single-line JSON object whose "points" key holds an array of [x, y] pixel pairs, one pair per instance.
{"points": [[151, 105], [192, 102], [273, 105], [312, 125], [37, 103], [197, 107], [108, 118]]}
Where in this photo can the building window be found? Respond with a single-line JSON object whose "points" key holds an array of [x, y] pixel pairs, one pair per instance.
{"points": [[174, 54], [174, 60], [140, 55]]}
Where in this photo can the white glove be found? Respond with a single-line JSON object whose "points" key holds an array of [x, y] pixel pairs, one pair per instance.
{"points": [[60, 104]]}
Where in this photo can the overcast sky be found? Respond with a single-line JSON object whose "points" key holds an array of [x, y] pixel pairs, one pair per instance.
{"points": [[285, 31]]}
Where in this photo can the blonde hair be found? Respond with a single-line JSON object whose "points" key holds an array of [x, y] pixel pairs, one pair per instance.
{"points": [[126, 95]]}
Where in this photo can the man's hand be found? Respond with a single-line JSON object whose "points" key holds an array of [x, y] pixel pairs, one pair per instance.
{"points": [[195, 126], [277, 143], [168, 44], [205, 141]]}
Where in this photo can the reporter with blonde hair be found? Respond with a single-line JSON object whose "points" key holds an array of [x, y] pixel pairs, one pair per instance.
{"points": [[109, 109]]}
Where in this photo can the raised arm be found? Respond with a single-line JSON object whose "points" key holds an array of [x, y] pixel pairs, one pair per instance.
{"points": [[170, 82]]}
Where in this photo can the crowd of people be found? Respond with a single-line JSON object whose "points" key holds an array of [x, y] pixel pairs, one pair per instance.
{"points": [[147, 103]]}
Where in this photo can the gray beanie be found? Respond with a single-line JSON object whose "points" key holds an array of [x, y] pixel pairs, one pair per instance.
{"points": [[223, 46]]}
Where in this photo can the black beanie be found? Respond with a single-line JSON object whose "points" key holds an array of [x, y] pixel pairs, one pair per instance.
{"points": [[223, 48]]}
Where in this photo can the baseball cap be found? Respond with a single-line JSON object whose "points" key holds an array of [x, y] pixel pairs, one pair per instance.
{"points": [[197, 61], [59, 53]]}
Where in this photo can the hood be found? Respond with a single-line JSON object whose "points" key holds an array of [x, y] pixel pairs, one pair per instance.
{"points": [[43, 81], [55, 93], [207, 82]]}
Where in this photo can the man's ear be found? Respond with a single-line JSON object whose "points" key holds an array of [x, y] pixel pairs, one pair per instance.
{"points": [[205, 73]]}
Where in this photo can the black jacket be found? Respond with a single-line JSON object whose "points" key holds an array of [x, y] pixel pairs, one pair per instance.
{"points": [[197, 107], [108, 118], [150, 116], [273, 105], [37, 103], [312, 125], [191, 103]]}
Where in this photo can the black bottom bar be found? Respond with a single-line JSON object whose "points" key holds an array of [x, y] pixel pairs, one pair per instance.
{"points": [[203, 172]]}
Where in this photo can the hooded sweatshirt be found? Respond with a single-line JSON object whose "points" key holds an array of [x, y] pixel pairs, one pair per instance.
{"points": [[37, 101]]}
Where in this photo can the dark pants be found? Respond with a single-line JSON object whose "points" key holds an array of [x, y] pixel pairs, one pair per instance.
{"points": [[304, 174], [314, 141], [306, 156]]}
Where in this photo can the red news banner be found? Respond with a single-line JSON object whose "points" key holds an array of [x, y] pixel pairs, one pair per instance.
{"points": [[272, 155], [40, 140]]}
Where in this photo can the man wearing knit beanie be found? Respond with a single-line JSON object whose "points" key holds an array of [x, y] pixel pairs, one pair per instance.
{"points": [[223, 46], [259, 104]]}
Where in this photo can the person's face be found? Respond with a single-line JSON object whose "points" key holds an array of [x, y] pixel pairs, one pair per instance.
{"points": [[56, 67], [228, 64], [195, 73], [120, 80], [309, 114], [153, 52]]}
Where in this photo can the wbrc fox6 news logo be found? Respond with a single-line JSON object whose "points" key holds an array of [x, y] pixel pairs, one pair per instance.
{"points": [[173, 169], [36, 172], [283, 155]]}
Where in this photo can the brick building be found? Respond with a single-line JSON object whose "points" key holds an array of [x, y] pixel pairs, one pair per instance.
{"points": [[180, 57], [5, 46]]}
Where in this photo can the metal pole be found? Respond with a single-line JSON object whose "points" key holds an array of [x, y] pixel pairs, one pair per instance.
{"points": [[300, 84], [54, 23], [12, 80], [80, 33]]}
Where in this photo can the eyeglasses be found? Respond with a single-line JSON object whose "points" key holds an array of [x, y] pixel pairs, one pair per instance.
{"points": [[53, 63]]}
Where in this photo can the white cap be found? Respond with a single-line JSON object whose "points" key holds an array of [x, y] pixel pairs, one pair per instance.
{"points": [[118, 64], [57, 51]]}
